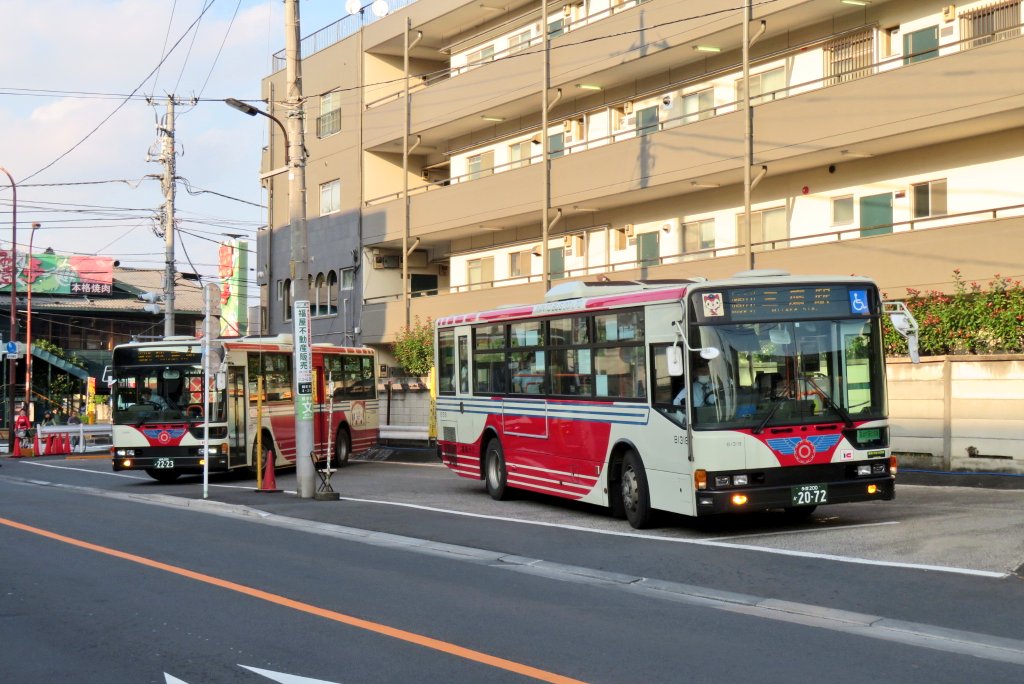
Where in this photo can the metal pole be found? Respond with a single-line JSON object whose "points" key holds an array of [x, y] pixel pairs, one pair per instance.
{"points": [[748, 133], [13, 362], [206, 392], [169, 171], [545, 85], [299, 256], [28, 317], [405, 172]]}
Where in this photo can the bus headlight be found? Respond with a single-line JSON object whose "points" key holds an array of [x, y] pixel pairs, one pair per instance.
{"points": [[864, 470], [126, 452], [740, 480]]}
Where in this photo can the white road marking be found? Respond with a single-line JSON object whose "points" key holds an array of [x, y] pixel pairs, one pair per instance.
{"points": [[168, 679], [130, 477], [717, 542], [813, 529], [701, 542], [285, 678]]}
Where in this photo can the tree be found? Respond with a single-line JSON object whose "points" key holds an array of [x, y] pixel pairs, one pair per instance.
{"points": [[414, 347]]}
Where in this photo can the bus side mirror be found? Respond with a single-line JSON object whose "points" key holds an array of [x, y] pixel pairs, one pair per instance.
{"points": [[905, 324], [674, 357]]}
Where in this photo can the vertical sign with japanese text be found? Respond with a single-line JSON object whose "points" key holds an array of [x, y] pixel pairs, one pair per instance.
{"points": [[303, 363]]}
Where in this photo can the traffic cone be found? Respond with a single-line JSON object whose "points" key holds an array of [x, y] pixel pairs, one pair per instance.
{"points": [[16, 453], [37, 449], [67, 443], [269, 481]]}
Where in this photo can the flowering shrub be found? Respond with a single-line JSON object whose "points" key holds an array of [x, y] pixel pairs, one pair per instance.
{"points": [[972, 320], [414, 347]]}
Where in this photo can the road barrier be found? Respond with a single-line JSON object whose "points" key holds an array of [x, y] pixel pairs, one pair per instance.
{"points": [[74, 439]]}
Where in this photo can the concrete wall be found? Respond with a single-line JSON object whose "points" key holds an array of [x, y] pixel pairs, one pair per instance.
{"points": [[959, 412]]}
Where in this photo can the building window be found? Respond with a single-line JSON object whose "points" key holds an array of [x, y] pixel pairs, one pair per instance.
{"points": [[519, 154], [519, 42], [329, 121], [556, 145], [480, 165], [330, 197], [348, 278], [647, 121], [989, 24], [480, 272], [768, 229], [929, 198], [480, 56], [280, 290], [698, 105], [698, 235], [849, 57], [319, 303], [842, 210], [332, 293], [286, 305], [921, 45], [556, 28], [520, 264], [765, 86]]}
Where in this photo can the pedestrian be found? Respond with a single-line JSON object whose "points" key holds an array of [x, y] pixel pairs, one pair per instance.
{"points": [[74, 419], [47, 420], [22, 426]]}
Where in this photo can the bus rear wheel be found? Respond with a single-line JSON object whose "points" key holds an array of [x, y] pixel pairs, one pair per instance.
{"points": [[495, 471], [163, 476], [636, 497], [342, 448]]}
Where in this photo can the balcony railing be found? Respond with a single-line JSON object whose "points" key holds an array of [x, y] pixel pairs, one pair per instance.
{"points": [[833, 235], [335, 33], [833, 78]]}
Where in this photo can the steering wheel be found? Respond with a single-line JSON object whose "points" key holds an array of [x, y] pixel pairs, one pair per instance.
{"points": [[194, 411]]}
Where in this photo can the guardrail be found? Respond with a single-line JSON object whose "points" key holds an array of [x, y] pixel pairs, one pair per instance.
{"points": [[83, 439]]}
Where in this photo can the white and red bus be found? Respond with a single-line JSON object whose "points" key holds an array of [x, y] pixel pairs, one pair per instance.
{"points": [[158, 415], [764, 390]]}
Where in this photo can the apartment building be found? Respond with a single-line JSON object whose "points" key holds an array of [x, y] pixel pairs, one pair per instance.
{"points": [[887, 140]]}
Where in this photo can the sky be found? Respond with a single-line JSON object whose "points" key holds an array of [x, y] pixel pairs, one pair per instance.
{"points": [[70, 67]]}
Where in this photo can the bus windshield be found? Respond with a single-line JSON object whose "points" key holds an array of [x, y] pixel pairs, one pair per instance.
{"points": [[787, 372], [156, 394]]}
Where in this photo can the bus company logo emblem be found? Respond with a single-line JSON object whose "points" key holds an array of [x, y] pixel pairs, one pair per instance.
{"points": [[803, 449], [164, 436], [712, 304]]}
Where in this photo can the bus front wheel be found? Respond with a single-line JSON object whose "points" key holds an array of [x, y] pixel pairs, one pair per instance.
{"points": [[636, 497], [495, 471]]}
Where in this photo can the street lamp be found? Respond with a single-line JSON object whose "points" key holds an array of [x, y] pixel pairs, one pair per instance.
{"points": [[13, 365], [28, 316], [247, 108]]}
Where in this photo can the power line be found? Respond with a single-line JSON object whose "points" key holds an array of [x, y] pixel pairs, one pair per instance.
{"points": [[221, 48]]}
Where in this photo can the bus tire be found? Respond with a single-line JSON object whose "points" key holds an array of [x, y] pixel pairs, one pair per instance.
{"points": [[636, 497], [163, 476], [495, 471], [342, 447]]}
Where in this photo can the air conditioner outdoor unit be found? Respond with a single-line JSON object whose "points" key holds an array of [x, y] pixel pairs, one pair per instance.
{"points": [[386, 261]]}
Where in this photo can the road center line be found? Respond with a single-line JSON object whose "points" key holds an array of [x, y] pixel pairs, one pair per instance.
{"points": [[376, 627]]}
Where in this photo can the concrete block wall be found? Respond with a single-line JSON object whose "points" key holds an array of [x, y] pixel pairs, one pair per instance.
{"points": [[959, 412]]}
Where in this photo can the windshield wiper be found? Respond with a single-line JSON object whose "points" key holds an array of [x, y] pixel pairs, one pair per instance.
{"points": [[771, 412], [831, 403]]}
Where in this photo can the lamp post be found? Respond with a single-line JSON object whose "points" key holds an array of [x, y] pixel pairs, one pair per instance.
{"points": [[247, 108], [13, 365], [28, 315]]}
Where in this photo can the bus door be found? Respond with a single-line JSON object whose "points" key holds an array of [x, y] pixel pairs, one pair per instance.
{"points": [[320, 428], [454, 424], [238, 407]]}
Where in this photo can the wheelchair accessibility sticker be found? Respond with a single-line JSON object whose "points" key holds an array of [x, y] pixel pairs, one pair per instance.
{"points": [[859, 303]]}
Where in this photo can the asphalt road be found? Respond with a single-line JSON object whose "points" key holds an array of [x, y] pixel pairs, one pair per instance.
{"points": [[920, 589]]}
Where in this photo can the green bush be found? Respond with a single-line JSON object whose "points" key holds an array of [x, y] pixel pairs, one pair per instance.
{"points": [[414, 347], [972, 320]]}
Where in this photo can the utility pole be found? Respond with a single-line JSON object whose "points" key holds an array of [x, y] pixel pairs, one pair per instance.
{"points": [[167, 158], [300, 250]]}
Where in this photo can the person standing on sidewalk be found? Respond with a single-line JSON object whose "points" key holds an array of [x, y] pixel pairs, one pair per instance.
{"points": [[22, 425]]}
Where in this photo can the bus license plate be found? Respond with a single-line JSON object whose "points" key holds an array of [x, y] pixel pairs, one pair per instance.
{"points": [[163, 463], [809, 495]]}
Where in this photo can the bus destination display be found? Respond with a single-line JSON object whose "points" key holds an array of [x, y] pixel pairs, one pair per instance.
{"points": [[141, 356], [810, 301]]}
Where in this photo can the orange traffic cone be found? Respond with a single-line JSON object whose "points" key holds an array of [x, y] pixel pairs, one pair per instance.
{"points": [[38, 451], [269, 481], [67, 443], [16, 453]]}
